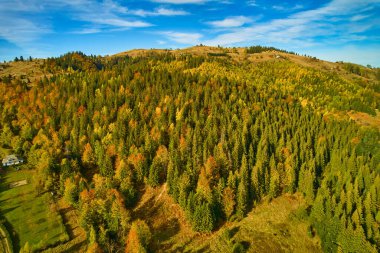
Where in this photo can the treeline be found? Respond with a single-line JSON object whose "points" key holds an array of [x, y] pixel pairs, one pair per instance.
{"points": [[74, 61], [221, 143], [356, 69], [261, 49], [21, 58]]}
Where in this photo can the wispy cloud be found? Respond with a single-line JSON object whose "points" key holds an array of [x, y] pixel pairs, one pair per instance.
{"points": [[229, 22], [88, 31], [33, 24], [114, 22], [359, 17], [22, 23], [327, 24], [192, 1], [15, 27], [252, 3], [182, 38], [181, 1], [20, 30], [161, 42], [107, 13], [287, 8], [161, 11]]}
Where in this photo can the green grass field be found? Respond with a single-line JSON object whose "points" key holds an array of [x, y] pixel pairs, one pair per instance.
{"points": [[30, 218], [277, 226]]}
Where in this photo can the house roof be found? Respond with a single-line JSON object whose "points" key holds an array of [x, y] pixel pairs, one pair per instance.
{"points": [[9, 158]]}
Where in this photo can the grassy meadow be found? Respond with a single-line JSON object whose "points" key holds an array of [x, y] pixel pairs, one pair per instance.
{"points": [[30, 218], [276, 226]]}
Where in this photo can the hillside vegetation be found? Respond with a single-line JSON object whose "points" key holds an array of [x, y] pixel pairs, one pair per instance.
{"points": [[31, 219], [254, 147]]}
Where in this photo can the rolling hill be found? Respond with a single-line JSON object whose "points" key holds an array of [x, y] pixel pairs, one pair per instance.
{"points": [[203, 149]]}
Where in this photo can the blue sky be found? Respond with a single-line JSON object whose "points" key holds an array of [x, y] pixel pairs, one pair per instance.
{"points": [[347, 30]]}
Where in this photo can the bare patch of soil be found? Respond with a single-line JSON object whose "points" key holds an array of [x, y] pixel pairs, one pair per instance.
{"points": [[18, 183]]}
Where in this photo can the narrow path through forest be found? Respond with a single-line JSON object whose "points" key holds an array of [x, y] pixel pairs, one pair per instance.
{"points": [[159, 196]]}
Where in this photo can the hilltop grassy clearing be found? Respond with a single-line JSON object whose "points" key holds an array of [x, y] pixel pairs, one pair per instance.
{"points": [[30, 218]]}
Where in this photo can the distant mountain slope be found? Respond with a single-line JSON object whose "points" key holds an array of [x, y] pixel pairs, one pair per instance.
{"points": [[217, 140], [342, 89]]}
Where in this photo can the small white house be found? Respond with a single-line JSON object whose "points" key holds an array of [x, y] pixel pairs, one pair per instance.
{"points": [[12, 160]]}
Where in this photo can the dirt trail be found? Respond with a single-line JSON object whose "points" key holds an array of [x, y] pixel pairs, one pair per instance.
{"points": [[4, 242], [159, 196]]}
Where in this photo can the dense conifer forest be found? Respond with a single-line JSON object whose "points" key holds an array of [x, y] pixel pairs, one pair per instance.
{"points": [[222, 134]]}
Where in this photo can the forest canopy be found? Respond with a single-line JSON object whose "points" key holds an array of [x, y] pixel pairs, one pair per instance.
{"points": [[222, 135]]}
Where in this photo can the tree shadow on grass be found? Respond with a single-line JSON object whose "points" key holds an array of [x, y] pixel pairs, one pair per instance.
{"points": [[204, 249], [164, 232], [65, 210], [66, 223], [232, 232], [75, 248], [147, 210], [245, 245], [13, 235], [183, 247], [4, 200], [41, 220], [7, 210]]}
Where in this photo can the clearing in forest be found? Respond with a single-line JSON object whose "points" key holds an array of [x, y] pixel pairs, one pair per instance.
{"points": [[30, 217], [277, 226]]}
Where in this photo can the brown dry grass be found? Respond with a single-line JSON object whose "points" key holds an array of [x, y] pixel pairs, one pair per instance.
{"points": [[274, 227], [29, 69], [270, 227], [165, 218], [365, 119]]}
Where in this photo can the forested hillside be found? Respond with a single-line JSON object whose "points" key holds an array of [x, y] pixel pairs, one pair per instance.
{"points": [[223, 129]]}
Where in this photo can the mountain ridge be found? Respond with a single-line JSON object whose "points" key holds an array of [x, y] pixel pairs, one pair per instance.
{"points": [[217, 136]]}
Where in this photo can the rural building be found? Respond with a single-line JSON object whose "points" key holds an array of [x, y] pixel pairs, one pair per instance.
{"points": [[12, 160]]}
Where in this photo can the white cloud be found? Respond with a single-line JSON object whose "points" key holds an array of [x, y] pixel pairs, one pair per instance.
{"points": [[20, 30], [331, 21], [183, 38], [230, 22], [181, 1], [88, 31], [252, 3], [359, 17], [191, 1], [159, 12], [287, 8], [10, 6], [23, 22], [113, 21], [107, 13]]}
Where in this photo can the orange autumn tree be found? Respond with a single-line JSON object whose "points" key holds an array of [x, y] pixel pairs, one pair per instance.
{"points": [[139, 238]]}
